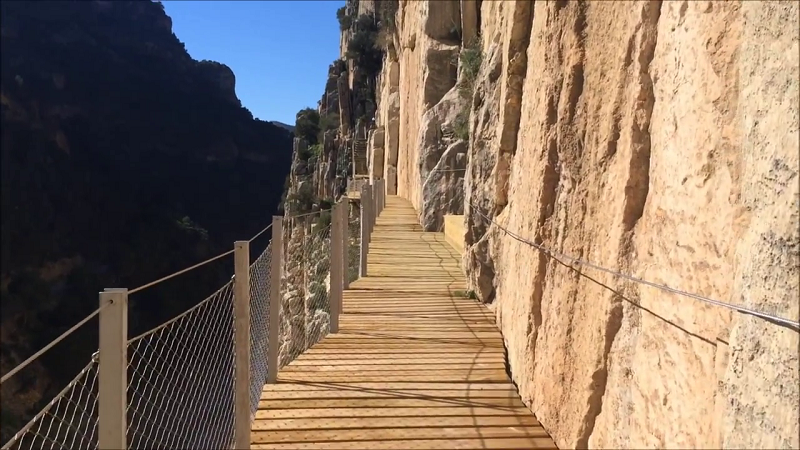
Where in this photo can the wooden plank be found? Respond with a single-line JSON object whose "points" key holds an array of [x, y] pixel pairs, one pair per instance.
{"points": [[335, 366], [462, 375], [414, 365], [427, 346], [467, 387], [405, 349], [430, 402], [429, 363], [374, 336], [413, 444], [377, 394], [396, 422], [362, 434], [326, 413]]}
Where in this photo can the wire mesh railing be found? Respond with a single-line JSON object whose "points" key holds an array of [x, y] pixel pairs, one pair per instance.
{"points": [[355, 185], [353, 233], [68, 421], [179, 381], [260, 283], [305, 290]]}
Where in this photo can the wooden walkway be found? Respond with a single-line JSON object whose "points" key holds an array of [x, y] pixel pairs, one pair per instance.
{"points": [[415, 365]]}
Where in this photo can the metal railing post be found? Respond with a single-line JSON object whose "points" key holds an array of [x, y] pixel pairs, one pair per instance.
{"points": [[365, 224], [113, 370], [336, 266], [241, 317], [345, 213], [273, 329]]}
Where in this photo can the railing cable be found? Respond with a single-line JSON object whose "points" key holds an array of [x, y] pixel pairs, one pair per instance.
{"points": [[260, 233], [132, 291], [308, 214], [52, 344], [153, 283], [543, 249]]}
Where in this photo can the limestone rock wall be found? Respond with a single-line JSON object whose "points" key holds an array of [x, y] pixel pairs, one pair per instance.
{"points": [[655, 139], [416, 106]]}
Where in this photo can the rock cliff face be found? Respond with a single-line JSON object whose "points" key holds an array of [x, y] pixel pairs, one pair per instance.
{"points": [[658, 140], [330, 147], [123, 160]]}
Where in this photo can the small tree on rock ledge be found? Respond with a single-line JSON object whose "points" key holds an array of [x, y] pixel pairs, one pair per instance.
{"points": [[363, 47], [345, 20], [306, 125]]}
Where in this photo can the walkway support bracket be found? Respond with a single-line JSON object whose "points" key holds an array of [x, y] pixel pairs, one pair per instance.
{"points": [[273, 329], [241, 314], [113, 370]]}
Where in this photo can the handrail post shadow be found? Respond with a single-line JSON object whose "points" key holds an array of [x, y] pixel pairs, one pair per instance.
{"points": [[273, 329], [241, 314], [113, 370], [365, 220], [336, 266], [345, 213]]}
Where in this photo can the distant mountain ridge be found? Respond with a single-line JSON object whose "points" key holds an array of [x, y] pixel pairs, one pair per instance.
{"points": [[288, 127], [123, 160]]}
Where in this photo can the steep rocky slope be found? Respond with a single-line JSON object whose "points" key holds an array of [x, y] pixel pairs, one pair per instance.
{"points": [[658, 140], [323, 159], [123, 160]]}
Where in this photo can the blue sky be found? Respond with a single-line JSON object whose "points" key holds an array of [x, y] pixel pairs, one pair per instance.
{"points": [[279, 50]]}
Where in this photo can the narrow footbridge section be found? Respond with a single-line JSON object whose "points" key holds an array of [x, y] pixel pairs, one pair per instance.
{"points": [[415, 364], [355, 333]]}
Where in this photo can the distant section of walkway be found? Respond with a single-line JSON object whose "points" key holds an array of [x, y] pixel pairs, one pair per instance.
{"points": [[415, 365]]}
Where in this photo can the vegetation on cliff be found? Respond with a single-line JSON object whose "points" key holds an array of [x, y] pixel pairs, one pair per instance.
{"points": [[469, 58], [123, 160]]}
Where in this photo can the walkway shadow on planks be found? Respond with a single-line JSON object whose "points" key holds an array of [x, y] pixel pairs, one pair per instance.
{"points": [[413, 365]]}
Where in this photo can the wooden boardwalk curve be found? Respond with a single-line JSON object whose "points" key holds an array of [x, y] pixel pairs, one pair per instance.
{"points": [[415, 365]]}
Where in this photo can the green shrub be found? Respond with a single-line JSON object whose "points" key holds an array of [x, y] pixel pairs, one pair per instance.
{"points": [[327, 123], [345, 20], [338, 66], [324, 219], [316, 150], [386, 14], [470, 58], [366, 22], [300, 202], [305, 153], [465, 294], [307, 125], [461, 124], [363, 47]]}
